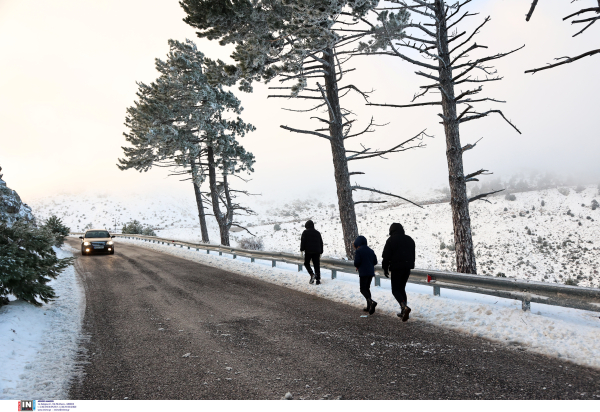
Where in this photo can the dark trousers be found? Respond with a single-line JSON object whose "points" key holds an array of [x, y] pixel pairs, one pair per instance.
{"points": [[365, 286], [315, 257], [399, 279]]}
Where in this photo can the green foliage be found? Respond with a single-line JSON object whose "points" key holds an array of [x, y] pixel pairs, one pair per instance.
{"points": [[571, 282], [135, 227], [271, 37], [60, 231], [180, 114], [148, 231], [28, 262], [390, 27]]}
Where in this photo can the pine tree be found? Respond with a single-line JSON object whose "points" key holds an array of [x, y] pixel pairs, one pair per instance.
{"points": [[60, 231], [27, 260], [307, 42], [445, 60], [182, 120]]}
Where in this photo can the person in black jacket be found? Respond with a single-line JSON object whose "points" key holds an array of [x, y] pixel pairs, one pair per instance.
{"points": [[364, 262], [311, 244], [399, 259]]}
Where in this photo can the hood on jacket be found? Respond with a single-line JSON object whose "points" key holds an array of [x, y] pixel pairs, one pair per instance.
{"points": [[396, 229], [360, 241], [309, 225]]}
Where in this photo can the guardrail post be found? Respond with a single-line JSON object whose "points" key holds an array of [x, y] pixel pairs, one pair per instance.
{"points": [[333, 273], [299, 268], [436, 290], [251, 260], [197, 249], [208, 251], [377, 281], [234, 255], [220, 253], [273, 263], [526, 305]]}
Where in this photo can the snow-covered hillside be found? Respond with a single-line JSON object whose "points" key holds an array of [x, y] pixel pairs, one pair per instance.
{"points": [[551, 235]]}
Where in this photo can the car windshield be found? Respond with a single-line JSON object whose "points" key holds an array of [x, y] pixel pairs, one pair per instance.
{"points": [[96, 234]]}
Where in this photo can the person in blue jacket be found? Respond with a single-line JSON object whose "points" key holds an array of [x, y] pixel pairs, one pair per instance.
{"points": [[364, 262]]}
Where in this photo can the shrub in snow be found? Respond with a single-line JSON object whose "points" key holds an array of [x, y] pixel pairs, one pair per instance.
{"points": [[251, 243], [500, 275], [510, 197], [148, 231], [133, 228], [277, 227], [442, 246], [595, 204], [579, 189], [28, 262], [60, 231], [543, 203], [571, 282], [451, 247], [563, 191]]}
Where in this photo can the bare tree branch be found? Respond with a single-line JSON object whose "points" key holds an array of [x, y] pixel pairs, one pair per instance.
{"points": [[568, 60], [306, 132], [531, 9], [383, 193], [481, 196]]}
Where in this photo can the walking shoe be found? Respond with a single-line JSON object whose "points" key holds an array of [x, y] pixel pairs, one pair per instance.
{"points": [[368, 308], [312, 279], [372, 310], [318, 281], [405, 313]]}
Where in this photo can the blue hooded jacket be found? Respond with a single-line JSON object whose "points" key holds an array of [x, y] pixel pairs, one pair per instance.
{"points": [[364, 257]]}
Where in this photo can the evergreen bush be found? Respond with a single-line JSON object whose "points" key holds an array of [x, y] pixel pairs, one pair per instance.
{"points": [[28, 262], [251, 243], [60, 231], [510, 197], [276, 227]]}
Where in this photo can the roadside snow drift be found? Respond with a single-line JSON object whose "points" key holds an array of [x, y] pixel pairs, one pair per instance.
{"points": [[39, 344]]}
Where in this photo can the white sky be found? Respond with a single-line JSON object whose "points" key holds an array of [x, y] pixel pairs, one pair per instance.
{"points": [[69, 67]]}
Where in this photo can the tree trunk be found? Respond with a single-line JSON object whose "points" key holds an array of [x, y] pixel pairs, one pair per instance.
{"points": [[214, 195], [459, 201], [338, 151], [201, 214]]}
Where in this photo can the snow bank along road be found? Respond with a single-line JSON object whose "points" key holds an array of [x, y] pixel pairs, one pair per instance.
{"points": [[162, 327]]}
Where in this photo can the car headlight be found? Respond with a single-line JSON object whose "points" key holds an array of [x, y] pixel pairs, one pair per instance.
{"points": [[110, 242], [86, 243]]}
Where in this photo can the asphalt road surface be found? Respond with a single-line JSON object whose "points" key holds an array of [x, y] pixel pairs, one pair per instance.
{"points": [[161, 327]]}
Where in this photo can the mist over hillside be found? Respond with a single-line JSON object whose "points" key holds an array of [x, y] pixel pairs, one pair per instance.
{"points": [[549, 235]]}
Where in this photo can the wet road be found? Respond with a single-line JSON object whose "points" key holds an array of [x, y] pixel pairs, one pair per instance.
{"points": [[161, 327]]}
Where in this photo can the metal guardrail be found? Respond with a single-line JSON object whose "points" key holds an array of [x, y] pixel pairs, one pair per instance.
{"points": [[524, 290]]}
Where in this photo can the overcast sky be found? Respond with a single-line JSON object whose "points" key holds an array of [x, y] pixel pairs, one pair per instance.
{"points": [[69, 67]]}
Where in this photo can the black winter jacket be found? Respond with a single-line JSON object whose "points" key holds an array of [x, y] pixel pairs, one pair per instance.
{"points": [[399, 250], [311, 241], [364, 258]]}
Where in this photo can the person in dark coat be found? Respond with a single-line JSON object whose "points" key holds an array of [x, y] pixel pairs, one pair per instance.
{"points": [[399, 259], [311, 244], [364, 262]]}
